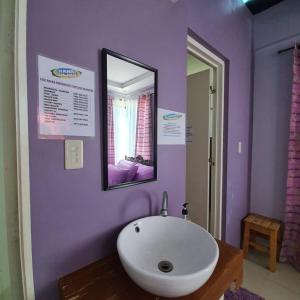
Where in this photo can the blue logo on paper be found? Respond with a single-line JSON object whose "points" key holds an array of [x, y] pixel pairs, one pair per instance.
{"points": [[65, 73], [172, 117]]}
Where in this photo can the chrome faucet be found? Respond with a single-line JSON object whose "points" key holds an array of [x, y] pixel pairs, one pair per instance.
{"points": [[164, 207]]}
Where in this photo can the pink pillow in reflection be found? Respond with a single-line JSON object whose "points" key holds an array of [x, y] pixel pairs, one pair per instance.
{"points": [[130, 166], [116, 175], [144, 172]]}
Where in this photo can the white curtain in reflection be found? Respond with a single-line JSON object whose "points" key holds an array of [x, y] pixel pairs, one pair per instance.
{"points": [[125, 118]]}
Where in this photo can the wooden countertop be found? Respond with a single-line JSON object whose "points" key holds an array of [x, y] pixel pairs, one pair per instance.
{"points": [[106, 280]]}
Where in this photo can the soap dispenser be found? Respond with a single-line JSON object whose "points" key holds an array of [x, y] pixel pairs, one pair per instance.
{"points": [[185, 212]]}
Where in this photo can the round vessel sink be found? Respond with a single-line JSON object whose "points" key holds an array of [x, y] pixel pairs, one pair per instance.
{"points": [[167, 256]]}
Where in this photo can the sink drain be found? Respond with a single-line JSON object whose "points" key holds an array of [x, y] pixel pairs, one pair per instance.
{"points": [[165, 266]]}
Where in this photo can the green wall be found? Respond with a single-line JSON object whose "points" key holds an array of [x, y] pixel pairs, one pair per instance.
{"points": [[10, 273], [195, 65]]}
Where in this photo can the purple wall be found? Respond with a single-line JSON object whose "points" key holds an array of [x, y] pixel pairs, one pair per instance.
{"points": [[275, 29], [73, 221]]}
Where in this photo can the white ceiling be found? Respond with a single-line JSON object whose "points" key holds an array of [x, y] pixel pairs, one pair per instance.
{"points": [[125, 77]]}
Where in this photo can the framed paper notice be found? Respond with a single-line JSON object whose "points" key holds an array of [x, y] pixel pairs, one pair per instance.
{"points": [[66, 99], [171, 127]]}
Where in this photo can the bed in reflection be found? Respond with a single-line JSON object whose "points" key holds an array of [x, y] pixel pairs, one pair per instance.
{"points": [[130, 169]]}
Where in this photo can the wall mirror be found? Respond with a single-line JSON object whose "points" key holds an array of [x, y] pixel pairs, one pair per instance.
{"points": [[129, 121]]}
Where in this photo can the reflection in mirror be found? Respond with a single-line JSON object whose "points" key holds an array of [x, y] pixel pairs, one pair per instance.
{"points": [[130, 121]]}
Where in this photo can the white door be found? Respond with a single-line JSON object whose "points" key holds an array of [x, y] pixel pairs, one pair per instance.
{"points": [[198, 147], [216, 65]]}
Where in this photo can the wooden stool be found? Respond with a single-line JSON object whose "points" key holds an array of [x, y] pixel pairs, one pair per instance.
{"points": [[256, 224]]}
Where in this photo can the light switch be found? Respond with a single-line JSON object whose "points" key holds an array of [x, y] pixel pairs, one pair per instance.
{"points": [[73, 154], [239, 147]]}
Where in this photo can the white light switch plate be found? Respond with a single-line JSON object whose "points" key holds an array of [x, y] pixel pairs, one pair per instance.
{"points": [[73, 154], [239, 147]]}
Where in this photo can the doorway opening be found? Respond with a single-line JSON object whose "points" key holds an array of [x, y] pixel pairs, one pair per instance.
{"points": [[204, 142]]}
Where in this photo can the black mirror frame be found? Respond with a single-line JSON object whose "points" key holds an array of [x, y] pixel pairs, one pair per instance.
{"points": [[106, 187]]}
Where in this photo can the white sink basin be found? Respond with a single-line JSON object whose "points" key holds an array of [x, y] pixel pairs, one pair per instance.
{"points": [[191, 250]]}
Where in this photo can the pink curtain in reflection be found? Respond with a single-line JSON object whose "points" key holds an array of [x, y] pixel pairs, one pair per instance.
{"points": [[290, 251], [144, 128], [110, 131]]}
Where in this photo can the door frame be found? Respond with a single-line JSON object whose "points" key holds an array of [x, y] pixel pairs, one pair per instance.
{"points": [[200, 48], [22, 149]]}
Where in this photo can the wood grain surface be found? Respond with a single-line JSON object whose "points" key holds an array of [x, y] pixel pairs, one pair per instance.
{"points": [[106, 280]]}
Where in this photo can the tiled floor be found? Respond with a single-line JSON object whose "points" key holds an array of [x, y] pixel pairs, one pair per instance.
{"points": [[284, 284]]}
